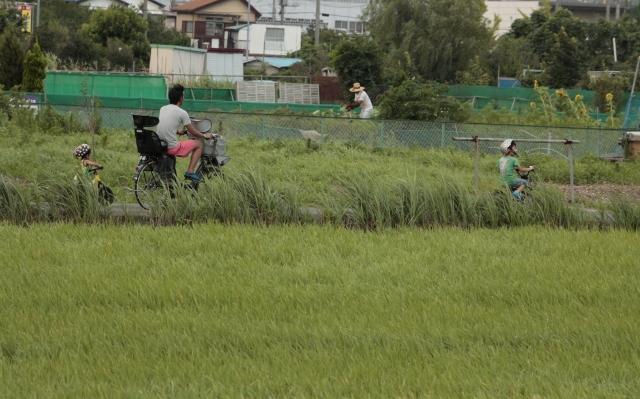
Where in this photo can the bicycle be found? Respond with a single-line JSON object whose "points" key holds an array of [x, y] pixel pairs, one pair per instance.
{"points": [[105, 194], [156, 171], [527, 191]]}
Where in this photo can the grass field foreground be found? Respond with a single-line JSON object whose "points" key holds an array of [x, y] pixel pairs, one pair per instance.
{"points": [[291, 311]]}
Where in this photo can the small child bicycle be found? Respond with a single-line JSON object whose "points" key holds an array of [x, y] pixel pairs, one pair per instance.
{"points": [[83, 152]]}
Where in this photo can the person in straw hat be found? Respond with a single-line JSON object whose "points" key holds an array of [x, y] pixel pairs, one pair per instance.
{"points": [[361, 100]]}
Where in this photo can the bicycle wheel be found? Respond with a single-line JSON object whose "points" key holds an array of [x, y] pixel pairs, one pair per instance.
{"points": [[105, 195], [149, 186]]}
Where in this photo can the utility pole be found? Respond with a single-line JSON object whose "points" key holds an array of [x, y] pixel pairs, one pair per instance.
{"points": [[282, 4], [317, 23], [37, 13], [248, 28], [273, 13]]}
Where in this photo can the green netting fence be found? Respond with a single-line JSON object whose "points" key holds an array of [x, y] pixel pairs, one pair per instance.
{"points": [[378, 133]]}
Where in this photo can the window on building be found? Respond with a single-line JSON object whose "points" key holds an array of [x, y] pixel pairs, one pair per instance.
{"points": [[214, 26], [275, 35], [274, 39], [350, 26], [187, 26]]}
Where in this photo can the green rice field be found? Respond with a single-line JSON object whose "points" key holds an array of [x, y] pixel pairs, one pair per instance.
{"points": [[294, 311]]}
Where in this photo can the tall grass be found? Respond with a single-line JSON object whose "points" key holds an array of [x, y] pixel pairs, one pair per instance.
{"points": [[361, 201], [215, 310]]}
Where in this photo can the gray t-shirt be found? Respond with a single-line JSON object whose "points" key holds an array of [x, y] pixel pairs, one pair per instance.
{"points": [[171, 118]]}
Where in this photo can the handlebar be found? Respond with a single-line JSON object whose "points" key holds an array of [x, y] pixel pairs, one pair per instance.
{"points": [[95, 169]]}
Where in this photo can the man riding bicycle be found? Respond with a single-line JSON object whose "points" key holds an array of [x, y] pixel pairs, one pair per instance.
{"points": [[171, 117]]}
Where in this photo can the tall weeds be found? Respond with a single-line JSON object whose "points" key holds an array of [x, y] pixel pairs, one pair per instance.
{"points": [[361, 201]]}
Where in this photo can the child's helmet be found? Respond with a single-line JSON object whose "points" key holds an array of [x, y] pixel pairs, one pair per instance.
{"points": [[505, 147], [82, 151]]}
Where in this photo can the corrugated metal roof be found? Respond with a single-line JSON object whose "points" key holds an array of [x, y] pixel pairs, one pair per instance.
{"points": [[276, 61], [236, 27]]}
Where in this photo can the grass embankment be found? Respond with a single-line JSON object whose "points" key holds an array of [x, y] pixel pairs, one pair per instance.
{"points": [[268, 181], [240, 311]]}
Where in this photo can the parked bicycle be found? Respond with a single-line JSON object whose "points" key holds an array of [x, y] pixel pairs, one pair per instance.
{"points": [[156, 171]]}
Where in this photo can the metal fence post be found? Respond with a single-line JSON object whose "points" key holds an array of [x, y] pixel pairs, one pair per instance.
{"points": [[570, 151], [476, 173]]}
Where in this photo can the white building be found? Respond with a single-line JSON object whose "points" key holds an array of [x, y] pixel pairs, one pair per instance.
{"points": [[266, 40], [153, 6]]}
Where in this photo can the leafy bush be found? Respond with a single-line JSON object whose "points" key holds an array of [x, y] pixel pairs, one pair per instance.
{"points": [[415, 101]]}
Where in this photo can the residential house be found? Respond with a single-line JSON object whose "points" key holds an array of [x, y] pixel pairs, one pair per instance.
{"points": [[205, 21], [153, 6]]}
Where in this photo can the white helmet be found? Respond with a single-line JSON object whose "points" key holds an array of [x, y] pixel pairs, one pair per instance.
{"points": [[505, 147]]}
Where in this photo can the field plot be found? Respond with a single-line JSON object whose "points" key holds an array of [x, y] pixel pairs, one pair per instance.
{"points": [[320, 312]]}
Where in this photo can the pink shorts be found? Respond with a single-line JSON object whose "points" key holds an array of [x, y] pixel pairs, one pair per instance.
{"points": [[183, 149]]}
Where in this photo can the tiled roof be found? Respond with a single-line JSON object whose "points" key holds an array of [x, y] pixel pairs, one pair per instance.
{"points": [[196, 5]]}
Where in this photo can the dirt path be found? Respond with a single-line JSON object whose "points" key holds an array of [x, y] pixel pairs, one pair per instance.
{"points": [[600, 192]]}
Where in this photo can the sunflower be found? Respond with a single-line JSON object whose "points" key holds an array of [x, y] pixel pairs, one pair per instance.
{"points": [[609, 96], [560, 93], [532, 104], [579, 97]]}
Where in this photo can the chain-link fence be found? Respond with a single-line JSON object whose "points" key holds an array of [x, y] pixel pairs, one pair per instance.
{"points": [[381, 133]]}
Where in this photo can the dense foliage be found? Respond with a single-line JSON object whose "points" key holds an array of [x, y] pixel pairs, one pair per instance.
{"points": [[357, 60], [11, 58], [34, 71], [414, 101]]}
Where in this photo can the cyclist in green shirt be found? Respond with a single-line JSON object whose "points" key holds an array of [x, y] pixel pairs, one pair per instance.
{"points": [[507, 166]]}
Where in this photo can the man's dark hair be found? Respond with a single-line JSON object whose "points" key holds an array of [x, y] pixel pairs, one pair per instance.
{"points": [[175, 94]]}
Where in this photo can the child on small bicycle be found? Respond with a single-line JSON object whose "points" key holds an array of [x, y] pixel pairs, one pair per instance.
{"points": [[83, 152], [508, 165]]}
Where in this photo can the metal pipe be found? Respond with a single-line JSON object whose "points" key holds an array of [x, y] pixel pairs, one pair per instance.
{"points": [[477, 164], [519, 140], [571, 172], [633, 86]]}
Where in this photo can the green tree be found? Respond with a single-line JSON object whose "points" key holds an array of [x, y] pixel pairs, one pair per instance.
{"points": [[158, 33], [317, 57], [416, 101], [356, 61], [123, 24], [69, 14], [34, 70], [511, 56], [11, 58], [475, 75], [118, 55], [565, 67], [440, 36], [52, 37], [10, 17]]}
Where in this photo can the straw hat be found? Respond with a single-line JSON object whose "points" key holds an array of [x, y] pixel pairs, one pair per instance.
{"points": [[356, 88]]}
